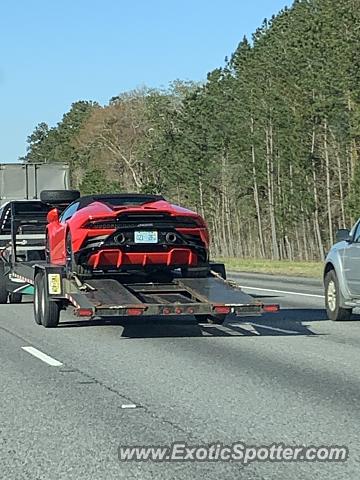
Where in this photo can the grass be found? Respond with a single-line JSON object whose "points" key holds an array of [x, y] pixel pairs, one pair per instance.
{"points": [[274, 267]]}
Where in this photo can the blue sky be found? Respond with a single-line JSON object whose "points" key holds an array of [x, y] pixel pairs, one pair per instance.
{"points": [[55, 52]]}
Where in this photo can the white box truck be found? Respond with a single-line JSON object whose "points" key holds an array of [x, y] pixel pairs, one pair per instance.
{"points": [[25, 181]]}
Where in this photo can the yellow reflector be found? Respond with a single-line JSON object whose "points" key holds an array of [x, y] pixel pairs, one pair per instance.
{"points": [[54, 283]]}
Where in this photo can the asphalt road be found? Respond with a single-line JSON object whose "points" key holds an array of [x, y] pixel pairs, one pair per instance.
{"points": [[291, 378]]}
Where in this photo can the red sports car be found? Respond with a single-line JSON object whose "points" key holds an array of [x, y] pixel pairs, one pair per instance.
{"points": [[120, 232]]}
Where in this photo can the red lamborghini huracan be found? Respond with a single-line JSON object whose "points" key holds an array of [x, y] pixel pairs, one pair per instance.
{"points": [[126, 231]]}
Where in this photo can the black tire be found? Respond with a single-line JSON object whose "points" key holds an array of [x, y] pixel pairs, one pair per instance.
{"points": [[50, 310], [219, 268], [71, 265], [47, 249], [160, 276], [4, 294], [59, 196], [333, 299], [38, 285], [15, 297], [196, 272], [212, 319]]}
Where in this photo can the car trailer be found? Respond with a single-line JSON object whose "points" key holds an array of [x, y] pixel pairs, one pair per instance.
{"points": [[117, 294]]}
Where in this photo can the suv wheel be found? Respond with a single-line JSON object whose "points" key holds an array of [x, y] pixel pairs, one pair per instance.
{"points": [[333, 299]]}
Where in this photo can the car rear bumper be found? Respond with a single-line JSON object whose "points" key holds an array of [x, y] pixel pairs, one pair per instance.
{"points": [[175, 257]]}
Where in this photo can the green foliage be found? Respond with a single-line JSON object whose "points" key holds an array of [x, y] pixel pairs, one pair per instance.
{"points": [[55, 144], [95, 181]]}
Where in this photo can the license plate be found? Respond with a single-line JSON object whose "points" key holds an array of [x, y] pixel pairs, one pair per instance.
{"points": [[54, 283], [146, 237]]}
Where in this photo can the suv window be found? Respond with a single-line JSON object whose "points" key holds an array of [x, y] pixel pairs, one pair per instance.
{"points": [[355, 232], [69, 212]]}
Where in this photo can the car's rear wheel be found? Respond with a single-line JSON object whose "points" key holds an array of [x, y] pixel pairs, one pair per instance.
{"points": [[71, 265], [219, 269], [333, 299], [196, 272]]}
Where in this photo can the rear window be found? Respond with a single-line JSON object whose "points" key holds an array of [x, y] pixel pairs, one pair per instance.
{"points": [[124, 201]]}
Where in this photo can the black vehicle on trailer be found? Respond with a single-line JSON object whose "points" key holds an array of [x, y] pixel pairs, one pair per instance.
{"points": [[22, 238], [114, 294]]}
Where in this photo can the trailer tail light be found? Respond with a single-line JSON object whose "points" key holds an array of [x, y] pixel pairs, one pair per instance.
{"points": [[271, 308], [222, 309], [166, 311], [134, 311], [190, 310], [85, 312], [178, 311]]}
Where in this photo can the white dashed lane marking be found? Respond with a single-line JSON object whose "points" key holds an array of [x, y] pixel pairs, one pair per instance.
{"points": [[42, 356]]}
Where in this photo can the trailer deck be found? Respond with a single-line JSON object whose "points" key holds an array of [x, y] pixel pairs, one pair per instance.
{"points": [[120, 295]]}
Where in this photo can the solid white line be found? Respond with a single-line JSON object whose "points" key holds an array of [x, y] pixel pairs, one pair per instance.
{"points": [[282, 291], [274, 328], [42, 356]]}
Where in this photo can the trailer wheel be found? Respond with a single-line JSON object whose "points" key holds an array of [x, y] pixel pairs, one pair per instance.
{"points": [[212, 319], [3, 285], [15, 297], [49, 309], [38, 285]]}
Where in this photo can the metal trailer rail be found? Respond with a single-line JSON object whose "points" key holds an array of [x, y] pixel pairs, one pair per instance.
{"points": [[117, 294]]}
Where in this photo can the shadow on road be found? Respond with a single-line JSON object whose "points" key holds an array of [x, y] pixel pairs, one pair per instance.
{"points": [[288, 322]]}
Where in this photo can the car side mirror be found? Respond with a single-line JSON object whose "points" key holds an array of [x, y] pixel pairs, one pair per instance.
{"points": [[343, 235], [53, 216]]}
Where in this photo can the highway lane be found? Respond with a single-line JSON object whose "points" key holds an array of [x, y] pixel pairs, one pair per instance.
{"points": [[293, 377]]}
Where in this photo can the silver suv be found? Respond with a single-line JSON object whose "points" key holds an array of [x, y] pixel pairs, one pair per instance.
{"points": [[342, 274]]}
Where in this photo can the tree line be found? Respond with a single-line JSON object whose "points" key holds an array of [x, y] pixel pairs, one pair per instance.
{"points": [[266, 149]]}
